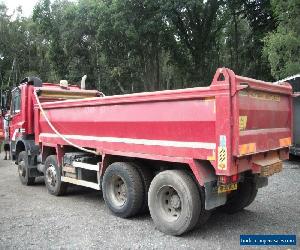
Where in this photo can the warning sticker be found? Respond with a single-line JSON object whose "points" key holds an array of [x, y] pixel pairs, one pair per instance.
{"points": [[222, 158], [260, 95], [242, 122], [223, 140]]}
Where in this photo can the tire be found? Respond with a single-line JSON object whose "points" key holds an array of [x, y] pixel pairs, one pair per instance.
{"points": [[293, 157], [23, 169], [253, 195], [241, 198], [123, 189], [147, 176], [52, 177], [174, 202]]}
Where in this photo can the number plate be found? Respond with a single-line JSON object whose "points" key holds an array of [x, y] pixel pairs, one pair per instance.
{"points": [[227, 187]]}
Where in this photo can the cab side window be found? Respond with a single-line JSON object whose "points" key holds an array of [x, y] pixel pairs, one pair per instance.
{"points": [[16, 101]]}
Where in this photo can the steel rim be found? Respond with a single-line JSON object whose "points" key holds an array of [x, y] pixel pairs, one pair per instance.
{"points": [[169, 203], [22, 169], [51, 176], [117, 191]]}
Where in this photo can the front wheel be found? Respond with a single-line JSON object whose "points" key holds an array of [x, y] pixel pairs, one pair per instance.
{"points": [[52, 177], [174, 202], [23, 169]]}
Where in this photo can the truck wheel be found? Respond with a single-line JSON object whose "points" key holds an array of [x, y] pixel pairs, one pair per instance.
{"points": [[52, 177], [23, 169], [174, 202], [147, 176], [123, 190], [241, 198]]}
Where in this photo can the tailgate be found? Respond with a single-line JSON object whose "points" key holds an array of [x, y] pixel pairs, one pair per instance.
{"points": [[264, 121]]}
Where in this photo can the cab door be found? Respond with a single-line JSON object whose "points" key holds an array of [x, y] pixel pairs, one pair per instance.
{"points": [[16, 121]]}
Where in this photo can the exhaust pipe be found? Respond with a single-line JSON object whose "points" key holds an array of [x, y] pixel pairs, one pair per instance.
{"points": [[82, 84]]}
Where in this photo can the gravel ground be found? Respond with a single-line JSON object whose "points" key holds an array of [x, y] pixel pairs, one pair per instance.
{"points": [[30, 218]]}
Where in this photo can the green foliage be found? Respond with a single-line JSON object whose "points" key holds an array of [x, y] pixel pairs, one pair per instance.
{"points": [[129, 46], [282, 47], [22, 50]]}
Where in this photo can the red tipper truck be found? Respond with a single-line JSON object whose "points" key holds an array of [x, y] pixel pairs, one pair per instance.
{"points": [[182, 153]]}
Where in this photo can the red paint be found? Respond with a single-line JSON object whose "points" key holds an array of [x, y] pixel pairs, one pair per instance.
{"points": [[1, 129], [196, 115]]}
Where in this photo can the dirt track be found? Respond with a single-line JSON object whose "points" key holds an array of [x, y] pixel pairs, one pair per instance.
{"points": [[31, 218]]}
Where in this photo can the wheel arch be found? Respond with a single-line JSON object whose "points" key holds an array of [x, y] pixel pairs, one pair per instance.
{"points": [[155, 165], [47, 151], [25, 145], [20, 146], [202, 171]]}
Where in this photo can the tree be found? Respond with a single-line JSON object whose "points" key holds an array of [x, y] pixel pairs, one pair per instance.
{"points": [[129, 46], [194, 27], [282, 47], [21, 49], [49, 20]]}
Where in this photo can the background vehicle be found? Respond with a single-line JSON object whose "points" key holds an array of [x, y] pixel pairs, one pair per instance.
{"points": [[1, 132], [180, 152], [295, 83]]}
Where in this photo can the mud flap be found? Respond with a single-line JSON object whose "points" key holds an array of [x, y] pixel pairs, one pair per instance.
{"points": [[213, 199]]}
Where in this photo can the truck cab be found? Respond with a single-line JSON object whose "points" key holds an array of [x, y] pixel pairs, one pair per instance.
{"points": [[18, 105]]}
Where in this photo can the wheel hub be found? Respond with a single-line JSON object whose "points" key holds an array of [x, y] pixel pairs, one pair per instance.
{"points": [[175, 201], [51, 176], [169, 203], [118, 191]]}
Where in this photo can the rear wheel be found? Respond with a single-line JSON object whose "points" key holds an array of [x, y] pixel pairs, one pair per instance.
{"points": [[123, 189], [174, 202], [242, 197], [23, 169], [147, 176], [52, 177]]}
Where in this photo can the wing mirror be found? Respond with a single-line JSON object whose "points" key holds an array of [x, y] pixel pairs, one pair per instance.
{"points": [[4, 102]]}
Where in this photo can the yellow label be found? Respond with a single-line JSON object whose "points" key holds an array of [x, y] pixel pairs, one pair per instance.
{"points": [[212, 157], [260, 95], [284, 142], [249, 148], [222, 158], [242, 122], [226, 188]]}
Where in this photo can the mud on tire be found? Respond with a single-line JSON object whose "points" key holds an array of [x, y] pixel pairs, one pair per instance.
{"points": [[23, 169], [174, 202], [52, 177], [123, 189]]}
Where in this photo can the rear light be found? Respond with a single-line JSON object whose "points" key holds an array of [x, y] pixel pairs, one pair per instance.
{"points": [[234, 178], [223, 179]]}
